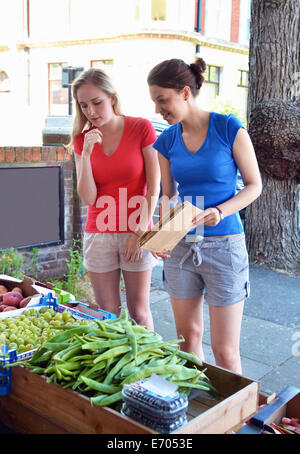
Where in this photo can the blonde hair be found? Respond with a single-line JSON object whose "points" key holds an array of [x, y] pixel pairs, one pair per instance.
{"points": [[99, 79]]}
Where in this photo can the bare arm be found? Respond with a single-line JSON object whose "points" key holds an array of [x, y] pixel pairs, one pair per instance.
{"points": [[152, 181], [244, 156], [86, 186], [132, 250], [169, 190]]}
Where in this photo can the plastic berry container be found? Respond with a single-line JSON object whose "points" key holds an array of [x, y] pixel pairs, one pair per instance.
{"points": [[162, 426], [152, 405]]}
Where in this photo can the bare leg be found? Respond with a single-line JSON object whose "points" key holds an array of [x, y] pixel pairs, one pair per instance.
{"points": [[225, 327], [188, 315], [106, 287], [137, 285]]}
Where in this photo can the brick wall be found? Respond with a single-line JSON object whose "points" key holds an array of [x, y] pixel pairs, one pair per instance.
{"points": [[52, 259], [235, 21]]}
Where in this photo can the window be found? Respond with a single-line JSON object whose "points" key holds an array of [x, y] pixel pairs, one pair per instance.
{"points": [[158, 10], [102, 64], [245, 16], [212, 76], [4, 82], [243, 78], [106, 65], [218, 19], [58, 96], [211, 86], [242, 90]]}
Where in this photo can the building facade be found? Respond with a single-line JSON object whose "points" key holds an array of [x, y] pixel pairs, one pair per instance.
{"points": [[124, 37]]}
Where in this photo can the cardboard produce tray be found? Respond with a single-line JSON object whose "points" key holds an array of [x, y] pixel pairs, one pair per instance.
{"points": [[37, 407]]}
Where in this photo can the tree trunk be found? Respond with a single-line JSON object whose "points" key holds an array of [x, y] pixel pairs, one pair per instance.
{"points": [[271, 224]]}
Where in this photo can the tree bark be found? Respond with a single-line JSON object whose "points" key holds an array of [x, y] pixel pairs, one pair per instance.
{"points": [[271, 224]]}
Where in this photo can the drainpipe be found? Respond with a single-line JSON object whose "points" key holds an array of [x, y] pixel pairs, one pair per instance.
{"points": [[198, 27]]}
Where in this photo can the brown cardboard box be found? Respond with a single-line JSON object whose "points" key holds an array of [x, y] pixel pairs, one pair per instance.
{"points": [[28, 286], [173, 226]]}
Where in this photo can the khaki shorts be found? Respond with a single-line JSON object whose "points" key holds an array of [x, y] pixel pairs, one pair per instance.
{"points": [[103, 252], [214, 267]]}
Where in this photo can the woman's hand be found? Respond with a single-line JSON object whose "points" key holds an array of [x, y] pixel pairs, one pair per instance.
{"points": [[90, 138], [133, 252], [163, 254], [209, 217]]}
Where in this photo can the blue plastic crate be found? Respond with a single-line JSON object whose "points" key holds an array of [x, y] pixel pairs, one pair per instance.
{"points": [[8, 357], [5, 372]]}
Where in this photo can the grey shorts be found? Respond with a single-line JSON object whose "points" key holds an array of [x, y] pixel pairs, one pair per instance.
{"points": [[215, 267], [103, 252]]}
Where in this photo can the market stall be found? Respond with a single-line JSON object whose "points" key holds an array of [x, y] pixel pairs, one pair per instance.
{"points": [[96, 374]]}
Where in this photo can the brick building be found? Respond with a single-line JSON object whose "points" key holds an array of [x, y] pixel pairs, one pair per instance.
{"points": [[126, 38]]}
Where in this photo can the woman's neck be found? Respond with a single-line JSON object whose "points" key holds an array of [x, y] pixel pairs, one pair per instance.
{"points": [[195, 119], [112, 126]]}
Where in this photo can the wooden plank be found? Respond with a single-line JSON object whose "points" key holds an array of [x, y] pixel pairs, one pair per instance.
{"points": [[226, 414], [68, 409], [21, 419], [35, 406]]}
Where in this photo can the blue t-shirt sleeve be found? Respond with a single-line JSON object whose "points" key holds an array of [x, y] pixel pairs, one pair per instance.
{"points": [[162, 144], [233, 126]]}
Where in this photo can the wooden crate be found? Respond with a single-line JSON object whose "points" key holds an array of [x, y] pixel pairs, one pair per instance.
{"points": [[37, 407]]}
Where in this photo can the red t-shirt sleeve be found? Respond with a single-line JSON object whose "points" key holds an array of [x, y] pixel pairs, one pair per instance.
{"points": [[148, 133]]}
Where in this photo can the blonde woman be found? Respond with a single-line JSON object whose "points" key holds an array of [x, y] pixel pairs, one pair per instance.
{"points": [[118, 178]]}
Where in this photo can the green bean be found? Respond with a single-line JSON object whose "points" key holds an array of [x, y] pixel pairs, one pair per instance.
{"points": [[46, 356], [203, 386], [151, 346], [124, 360], [97, 345], [140, 329], [108, 334], [70, 365], [59, 355], [107, 400], [116, 351], [148, 371], [188, 356], [83, 357], [186, 374], [147, 339], [69, 333], [56, 346], [129, 368], [67, 372], [38, 370], [93, 384], [116, 327], [58, 372], [132, 339]]}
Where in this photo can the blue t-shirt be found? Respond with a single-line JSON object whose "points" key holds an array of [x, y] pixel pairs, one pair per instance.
{"points": [[209, 175]]}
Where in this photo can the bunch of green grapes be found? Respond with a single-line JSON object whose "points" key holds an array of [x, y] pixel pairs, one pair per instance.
{"points": [[32, 328]]}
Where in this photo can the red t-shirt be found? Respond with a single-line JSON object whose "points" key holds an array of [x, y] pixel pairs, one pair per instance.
{"points": [[120, 178]]}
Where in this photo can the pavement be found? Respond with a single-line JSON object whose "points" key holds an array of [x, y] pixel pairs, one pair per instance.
{"points": [[270, 333]]}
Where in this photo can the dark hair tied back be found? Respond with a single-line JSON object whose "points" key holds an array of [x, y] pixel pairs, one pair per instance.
{"points": [[176, 74], [198, 68]]}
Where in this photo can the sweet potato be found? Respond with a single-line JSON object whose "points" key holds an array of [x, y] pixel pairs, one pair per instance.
{"points": [[12, 299], [17, 289], [24, 301]]}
